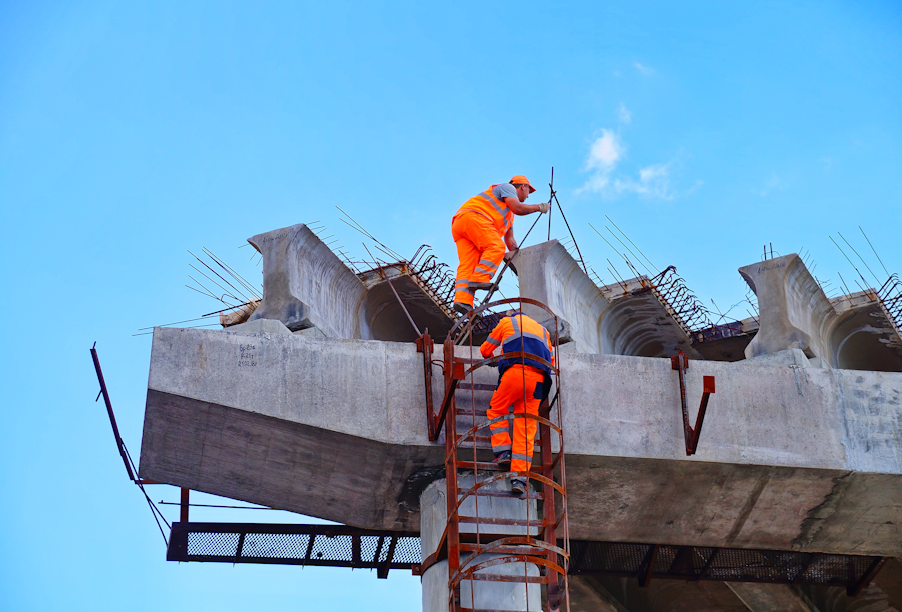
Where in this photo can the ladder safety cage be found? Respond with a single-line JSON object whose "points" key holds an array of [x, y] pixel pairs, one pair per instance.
{"points": [[487, 541]]}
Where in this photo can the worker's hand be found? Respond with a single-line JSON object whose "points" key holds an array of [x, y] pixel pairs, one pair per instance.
{"points": [[509, 255], [544, 207]]}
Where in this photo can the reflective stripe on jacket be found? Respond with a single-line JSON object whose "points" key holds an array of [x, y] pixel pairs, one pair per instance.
{"points": [[493, 209], [519, 333]]}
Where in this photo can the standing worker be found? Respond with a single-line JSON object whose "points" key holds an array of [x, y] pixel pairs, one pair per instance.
{"points": [[478, 229], [524, 383]]}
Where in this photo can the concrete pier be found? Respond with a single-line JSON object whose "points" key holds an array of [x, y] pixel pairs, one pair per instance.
{"points": [[476, 594]]}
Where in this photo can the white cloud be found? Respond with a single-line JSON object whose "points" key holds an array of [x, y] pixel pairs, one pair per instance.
{"points": [[623, 114], [774, 183], [605, 153], [643, 69], [657, 172], [654, 182]]}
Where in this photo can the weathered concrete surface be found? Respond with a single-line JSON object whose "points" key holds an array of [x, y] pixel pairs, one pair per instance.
{"points": [[587, 592], [260, 326], [630, 321], [790, 458], [853, 332], [667, 595], [865, 337], [790, 357], [386, 318], [835, 599], [769, 597], [588, 595]]}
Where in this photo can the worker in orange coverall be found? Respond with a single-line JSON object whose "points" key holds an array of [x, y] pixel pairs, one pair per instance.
{"points": [[524, 383], [481, 229]]}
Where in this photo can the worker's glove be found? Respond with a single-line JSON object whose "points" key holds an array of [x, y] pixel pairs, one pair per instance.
{"points": [[544, 207], [510, 254]]}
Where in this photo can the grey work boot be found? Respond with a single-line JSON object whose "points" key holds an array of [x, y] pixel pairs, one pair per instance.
{"points": [[461, 307], [503, 460], [518, 487]]}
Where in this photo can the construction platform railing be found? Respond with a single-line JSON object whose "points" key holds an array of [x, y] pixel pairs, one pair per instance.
{"points": [[473, 542]]}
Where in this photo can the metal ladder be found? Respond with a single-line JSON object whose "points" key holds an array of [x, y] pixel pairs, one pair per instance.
{"points": [[543, 538]]}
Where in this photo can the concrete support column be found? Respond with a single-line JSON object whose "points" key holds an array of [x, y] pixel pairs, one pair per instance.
{"points": [[480, 594]]}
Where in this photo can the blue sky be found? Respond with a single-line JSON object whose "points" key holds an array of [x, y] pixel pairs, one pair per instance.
{"points": [[132, 132]]}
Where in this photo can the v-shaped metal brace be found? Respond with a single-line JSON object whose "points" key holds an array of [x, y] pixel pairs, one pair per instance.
{"points": [[680, 363]]}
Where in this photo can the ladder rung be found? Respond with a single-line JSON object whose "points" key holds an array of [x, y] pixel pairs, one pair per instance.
{"points": [[463, 609], [488, 440], [490, 493], [475, 387], [471, 537], [484, 520], [479, 465], [523, 549], [509, 578], [488, 466]]}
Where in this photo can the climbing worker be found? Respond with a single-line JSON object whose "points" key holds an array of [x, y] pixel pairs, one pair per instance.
{"points": [[481, 229], [524, 383]]}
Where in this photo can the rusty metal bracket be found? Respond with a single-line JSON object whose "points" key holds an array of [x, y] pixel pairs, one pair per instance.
{"points": [[853, 590], [680, 363], [426, 346], [648, 566]]}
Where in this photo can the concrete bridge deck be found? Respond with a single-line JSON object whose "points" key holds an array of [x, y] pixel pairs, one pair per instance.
{"points": [[790, 457]]}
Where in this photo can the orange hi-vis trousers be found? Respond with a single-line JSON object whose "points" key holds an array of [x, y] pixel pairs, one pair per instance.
{"points": [[480, 250], [520, 392]]}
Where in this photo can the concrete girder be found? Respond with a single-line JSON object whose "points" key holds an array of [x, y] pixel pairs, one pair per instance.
{"points": [[306, 285], [790, 458], [617, 320], [852, 332]]}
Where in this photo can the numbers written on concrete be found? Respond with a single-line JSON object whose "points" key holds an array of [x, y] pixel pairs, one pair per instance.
{"points": [[766, 268], [278, 236], [247, 355]]}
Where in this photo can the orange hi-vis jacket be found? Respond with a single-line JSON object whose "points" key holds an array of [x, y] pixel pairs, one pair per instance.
{"points": [[519, 333], [493, 209]]}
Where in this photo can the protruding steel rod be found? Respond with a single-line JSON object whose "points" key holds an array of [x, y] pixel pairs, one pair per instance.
{"points": [[109, 409], [551, 195]]}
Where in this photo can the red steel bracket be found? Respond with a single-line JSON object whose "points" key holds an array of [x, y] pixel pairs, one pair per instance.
{"points": [[680, 363]]}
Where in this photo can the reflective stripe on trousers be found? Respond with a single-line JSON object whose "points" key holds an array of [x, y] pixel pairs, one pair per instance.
{"points": [[480, 251], [520, 391]]}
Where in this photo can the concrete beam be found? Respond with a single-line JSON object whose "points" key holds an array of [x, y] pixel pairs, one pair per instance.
{"points": [[790, 458], [617, 320], [305, 285], [853, 332]]}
